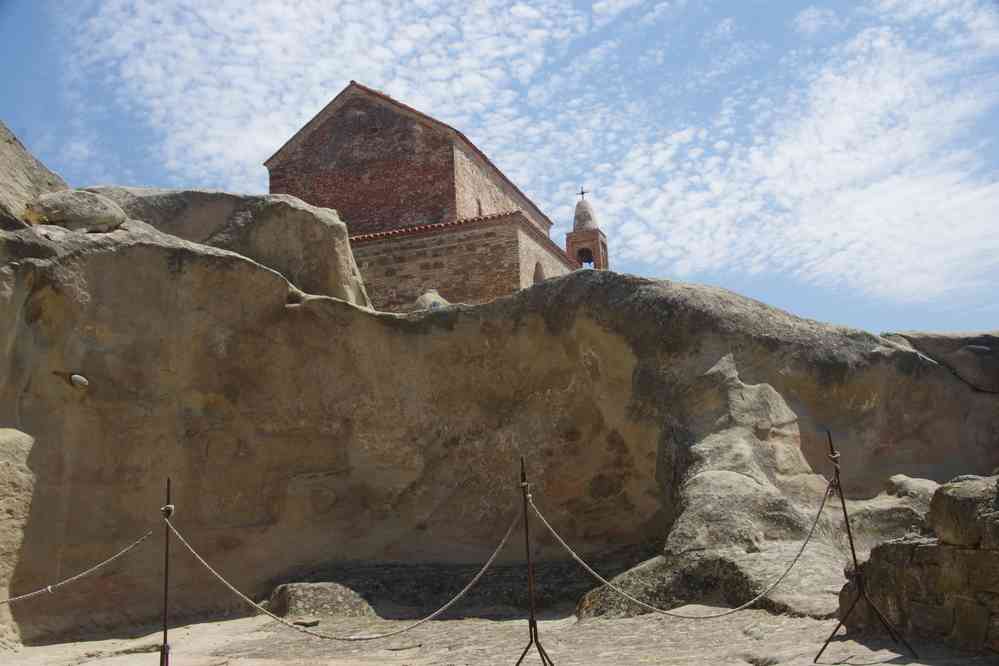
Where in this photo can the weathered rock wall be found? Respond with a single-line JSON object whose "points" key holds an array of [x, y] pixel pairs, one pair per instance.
{"points": [[307, 245], [944, 588], [301, 430], [973, 357], [16, 486], [22, 178]]}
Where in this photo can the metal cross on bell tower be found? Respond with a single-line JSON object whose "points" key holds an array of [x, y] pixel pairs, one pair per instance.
{"points": [[582, 193]]}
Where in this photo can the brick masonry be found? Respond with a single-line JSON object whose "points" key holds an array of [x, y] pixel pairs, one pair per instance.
{"points": [[473, 262], [479, 192], [380, 169], [592, 240], [390, 171]]}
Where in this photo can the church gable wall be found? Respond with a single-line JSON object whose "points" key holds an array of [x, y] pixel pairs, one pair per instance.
{"points": [[467, 264], [380, 168], [537, 259], [480, 191]]}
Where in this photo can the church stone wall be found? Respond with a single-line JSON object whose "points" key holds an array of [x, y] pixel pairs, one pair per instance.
{"points": [[466, 264], [479, 191], [534, 253], [381, 169]]}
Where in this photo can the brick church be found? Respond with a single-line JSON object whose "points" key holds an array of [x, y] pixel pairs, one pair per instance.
{"points": [[425, 208]]}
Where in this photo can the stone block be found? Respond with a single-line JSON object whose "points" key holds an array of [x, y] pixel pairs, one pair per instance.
{"points": [[961, 508], [992, 638], [931, 619], [990, 600], [971, 624]]}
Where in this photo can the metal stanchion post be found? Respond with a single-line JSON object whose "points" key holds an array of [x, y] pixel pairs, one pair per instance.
{"points": [[167, 511], [532, 621], [858, 573]]}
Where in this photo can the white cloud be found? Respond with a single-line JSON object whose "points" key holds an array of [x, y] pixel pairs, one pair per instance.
{"points": [[847, 167], [813, 20], [607, 9], [722, 31], [225, 83], [857, 185]]}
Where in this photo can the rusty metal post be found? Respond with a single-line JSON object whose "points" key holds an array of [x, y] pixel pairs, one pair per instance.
{"points": [[167, 511], [858, 573], [532, 622]]}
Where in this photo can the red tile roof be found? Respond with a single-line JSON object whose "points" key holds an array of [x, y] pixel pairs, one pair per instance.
{"points": [[420, 228], [515, 215]]}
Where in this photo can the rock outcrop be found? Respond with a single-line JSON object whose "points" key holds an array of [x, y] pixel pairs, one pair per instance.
{"points": [[944, 588], [300, 430], [22, 179], [76, 210], [308, 245], [16, 487], [973, 357], [431, 300], [318, 599], [965, 512]]}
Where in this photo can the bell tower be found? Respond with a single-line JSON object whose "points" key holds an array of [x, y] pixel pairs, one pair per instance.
{"points": [[586, 243]]}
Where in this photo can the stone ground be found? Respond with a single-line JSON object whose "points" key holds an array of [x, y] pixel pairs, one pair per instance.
{"points": [[752, 637]]}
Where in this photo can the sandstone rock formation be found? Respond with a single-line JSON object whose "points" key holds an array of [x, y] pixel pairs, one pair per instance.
{"points": [[965, 512], [77, 210], [302, 431], [16, 486], [22, 179], [318, 599], [306, 244], [431, 300], [944, 588], [972, 357]]}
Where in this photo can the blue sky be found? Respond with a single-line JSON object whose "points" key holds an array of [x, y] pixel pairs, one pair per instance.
{"points": [[835, 159]]}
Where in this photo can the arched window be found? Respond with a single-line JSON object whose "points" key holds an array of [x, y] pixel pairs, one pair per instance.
{"points": [[539, 273], [585, 257]]}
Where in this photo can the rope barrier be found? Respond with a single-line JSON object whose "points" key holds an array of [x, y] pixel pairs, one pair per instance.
{"points": [[604, 581], [331, 637], [50, 589]]}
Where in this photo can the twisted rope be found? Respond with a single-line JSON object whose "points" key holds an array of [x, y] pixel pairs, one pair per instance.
{"points": [[331, 637], [654, 609], [50, 589]]}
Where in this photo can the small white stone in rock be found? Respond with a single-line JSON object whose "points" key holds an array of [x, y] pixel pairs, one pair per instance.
{"points": [[79, 381]]}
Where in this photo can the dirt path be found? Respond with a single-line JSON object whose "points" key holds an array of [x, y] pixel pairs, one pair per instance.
{"points": [[755, 638]]}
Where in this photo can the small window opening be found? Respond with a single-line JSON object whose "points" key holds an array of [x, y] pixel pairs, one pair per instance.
{"points": [[585, 257], [539, 273], [478, 204]]}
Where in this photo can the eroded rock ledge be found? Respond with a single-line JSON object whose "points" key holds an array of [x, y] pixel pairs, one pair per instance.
{"points": [[301, 431], [218, 340], [944, 587]]}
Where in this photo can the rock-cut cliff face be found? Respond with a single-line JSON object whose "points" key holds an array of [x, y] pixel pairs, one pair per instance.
{"points": [[300, 430]]}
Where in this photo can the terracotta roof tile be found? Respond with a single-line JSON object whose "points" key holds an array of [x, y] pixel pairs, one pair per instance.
{"points": [[516, 215], [421, 228]]}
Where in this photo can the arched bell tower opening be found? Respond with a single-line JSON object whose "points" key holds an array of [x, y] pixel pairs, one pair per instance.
{"points": [[539, 273], [587, 244]]}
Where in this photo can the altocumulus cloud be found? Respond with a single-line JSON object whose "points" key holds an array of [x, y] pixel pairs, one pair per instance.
{"points": [[841, 149]]}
